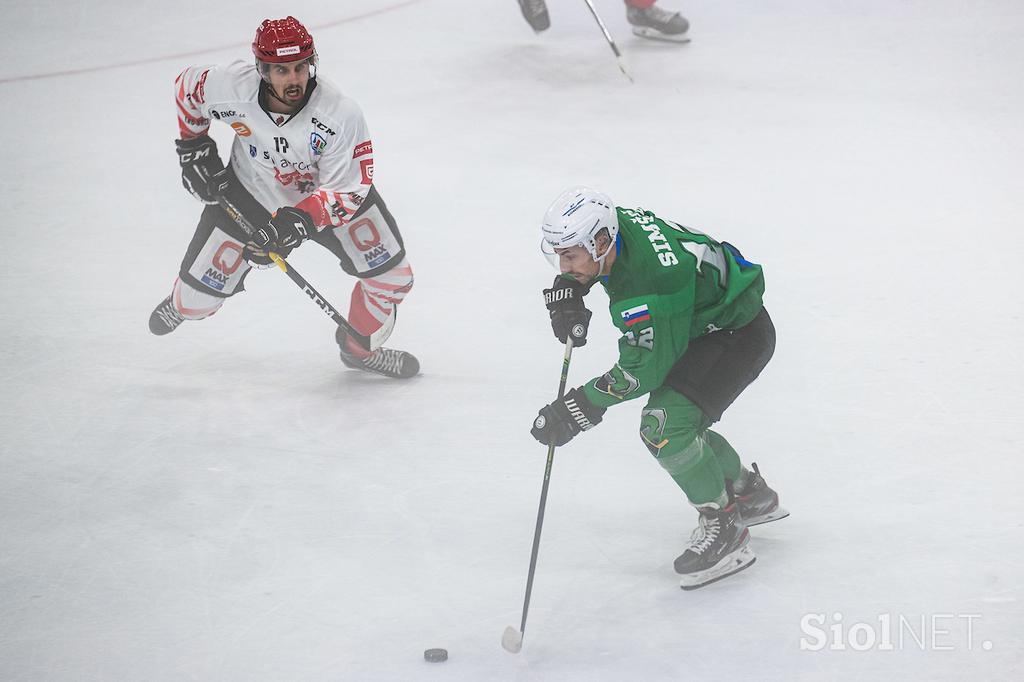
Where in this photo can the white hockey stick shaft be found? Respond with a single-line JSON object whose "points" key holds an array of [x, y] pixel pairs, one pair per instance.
{"points": [[608, 37]]}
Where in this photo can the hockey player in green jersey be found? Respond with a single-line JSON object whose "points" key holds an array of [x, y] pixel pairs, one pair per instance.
{"points": [[694, 334]]}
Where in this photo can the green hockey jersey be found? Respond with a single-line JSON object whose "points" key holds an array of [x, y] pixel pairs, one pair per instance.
{"points": [[669, 284]]}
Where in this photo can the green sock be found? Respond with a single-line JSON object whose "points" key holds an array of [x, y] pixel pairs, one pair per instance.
{"points": [[727, 458], [695, 469]]}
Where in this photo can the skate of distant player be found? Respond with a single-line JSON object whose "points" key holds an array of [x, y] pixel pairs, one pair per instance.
{"points": [[301, 168], [644, 16], [695, 334]]}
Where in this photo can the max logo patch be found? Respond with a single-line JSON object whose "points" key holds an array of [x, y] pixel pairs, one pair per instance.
{"points": [[233, 253], [364, 234]]}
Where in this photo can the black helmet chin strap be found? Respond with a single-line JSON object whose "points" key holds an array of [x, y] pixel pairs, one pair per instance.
{"points": [[273, 93]]}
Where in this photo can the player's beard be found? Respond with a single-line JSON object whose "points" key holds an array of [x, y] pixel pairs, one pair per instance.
{"points": [[293, 94]]}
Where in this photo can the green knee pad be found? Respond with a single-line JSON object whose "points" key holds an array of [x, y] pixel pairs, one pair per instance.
{"points": [[675, 432]]}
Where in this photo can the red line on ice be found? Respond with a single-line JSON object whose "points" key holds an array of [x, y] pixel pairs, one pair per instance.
{"points": [[150, 60]]}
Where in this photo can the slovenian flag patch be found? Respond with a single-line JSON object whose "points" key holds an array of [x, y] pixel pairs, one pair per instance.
{"points": [[635, 315]]}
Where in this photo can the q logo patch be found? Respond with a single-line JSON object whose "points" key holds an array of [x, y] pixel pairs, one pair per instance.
{"points": [[364, 234]]}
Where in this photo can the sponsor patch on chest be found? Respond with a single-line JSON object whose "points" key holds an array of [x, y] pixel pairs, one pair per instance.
{"points": [[317, 143]]}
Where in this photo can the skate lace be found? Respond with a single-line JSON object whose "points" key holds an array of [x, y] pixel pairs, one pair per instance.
{"points": [[662, 16], [705, 534], [385, 360], [169, 315]]}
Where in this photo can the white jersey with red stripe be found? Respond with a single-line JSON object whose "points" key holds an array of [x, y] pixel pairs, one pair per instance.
{"points": [[319, 159]]}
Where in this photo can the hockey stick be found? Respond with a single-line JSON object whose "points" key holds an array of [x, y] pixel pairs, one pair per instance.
{"points": [[608, 37], [294, 276], [512, 639]]}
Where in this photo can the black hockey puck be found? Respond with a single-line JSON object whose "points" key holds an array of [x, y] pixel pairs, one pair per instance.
{"points": [[435, 655]]}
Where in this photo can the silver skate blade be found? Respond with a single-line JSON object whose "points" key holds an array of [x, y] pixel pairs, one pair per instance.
{"points": [[733, 563], [775, 515], [512, 640], [652, 34]]}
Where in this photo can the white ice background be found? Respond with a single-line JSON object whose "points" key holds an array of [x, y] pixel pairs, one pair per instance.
{"points": [[229, 503]]}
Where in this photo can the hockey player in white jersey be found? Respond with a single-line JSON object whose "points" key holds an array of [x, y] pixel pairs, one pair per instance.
{"points": [[301, 168]]}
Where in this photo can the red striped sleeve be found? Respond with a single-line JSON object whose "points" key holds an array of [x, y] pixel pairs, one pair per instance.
{"points": [[189, 93]]}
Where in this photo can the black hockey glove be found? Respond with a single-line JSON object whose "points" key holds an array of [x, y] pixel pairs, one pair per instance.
{"points": [[560, 421], [565, 307], [287, 228], [260, 256], [202, 171]]}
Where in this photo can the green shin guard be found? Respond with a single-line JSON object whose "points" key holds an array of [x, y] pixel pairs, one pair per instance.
{"points": [[728, 460], [675, 432]]}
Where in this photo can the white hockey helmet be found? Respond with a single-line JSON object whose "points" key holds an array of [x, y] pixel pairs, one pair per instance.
{"points": [[575, 218]]}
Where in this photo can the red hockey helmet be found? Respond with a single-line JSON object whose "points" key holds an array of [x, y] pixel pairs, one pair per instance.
{"points": [[282, 40]]}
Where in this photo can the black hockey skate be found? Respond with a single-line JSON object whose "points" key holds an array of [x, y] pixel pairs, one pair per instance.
{"points": [[536, 14], [658, 24], [759, 503], [165, 319], [388, 362], [718, 547]]}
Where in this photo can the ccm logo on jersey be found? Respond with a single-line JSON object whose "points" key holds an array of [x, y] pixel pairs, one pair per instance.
{"points": [[321, 126]]}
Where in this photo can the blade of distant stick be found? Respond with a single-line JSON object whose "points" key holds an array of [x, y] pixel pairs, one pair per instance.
{"points": [[624, 72], [608, 37], [512, 640]]}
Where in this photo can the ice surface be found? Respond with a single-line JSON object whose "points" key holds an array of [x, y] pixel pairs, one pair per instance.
{"points": [[226, 503]]}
